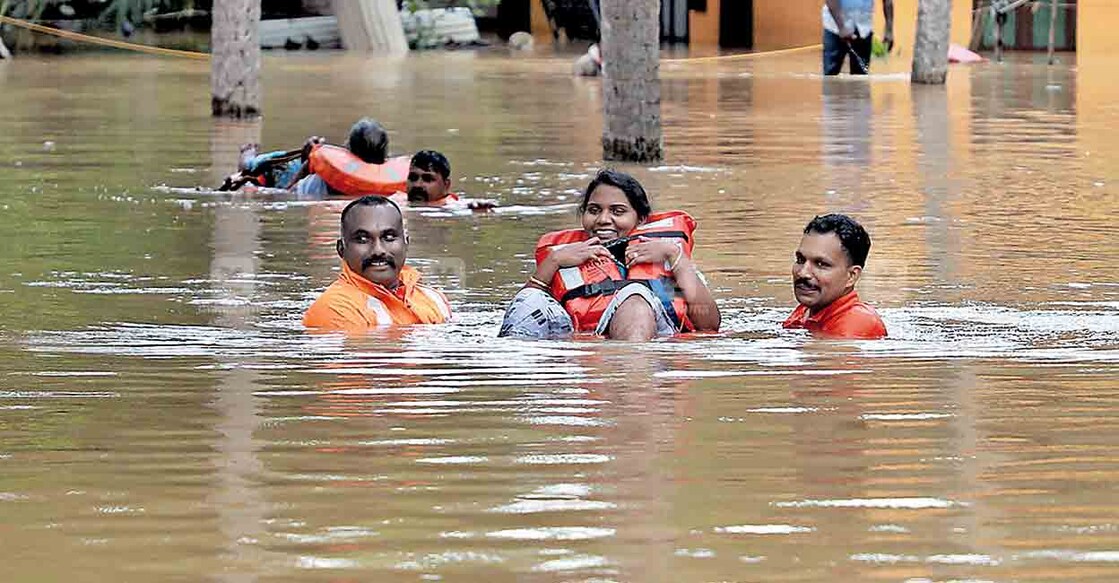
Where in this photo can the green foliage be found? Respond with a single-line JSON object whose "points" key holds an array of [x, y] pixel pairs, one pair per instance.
{"points": [[476, 6], [114, 10], [878, 49], [424, 30]]}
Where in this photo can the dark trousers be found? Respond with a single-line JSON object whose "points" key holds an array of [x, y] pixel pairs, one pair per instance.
{"points": [[836, 49]]}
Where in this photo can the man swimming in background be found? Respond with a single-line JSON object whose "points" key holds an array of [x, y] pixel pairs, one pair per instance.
{"points": [[429, 179], [828, 264], [375, 287], [429, 184]]}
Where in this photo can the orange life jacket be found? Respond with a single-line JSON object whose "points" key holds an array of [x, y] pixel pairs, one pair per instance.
{"points": [[401, 199], [354, 303], [352, 176], [586, 290]]}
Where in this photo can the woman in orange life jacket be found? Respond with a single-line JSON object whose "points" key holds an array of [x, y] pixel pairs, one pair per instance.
{"points": [[368, 140], [650, 288]]}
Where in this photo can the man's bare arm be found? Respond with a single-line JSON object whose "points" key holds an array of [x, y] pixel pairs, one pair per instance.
{"points": [[840, 22]]}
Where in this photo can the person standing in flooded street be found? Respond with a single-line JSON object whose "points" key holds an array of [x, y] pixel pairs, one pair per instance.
{"points": [[627, 274], [375, 287], [849, 32], [828, 264]]}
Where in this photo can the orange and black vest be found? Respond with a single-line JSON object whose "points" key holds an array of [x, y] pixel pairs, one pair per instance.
{"points": [[586, 290], [352, 176], [353, 303]]}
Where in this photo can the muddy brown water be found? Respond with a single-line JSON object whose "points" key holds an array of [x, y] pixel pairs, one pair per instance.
{"points": [[163, 417]]}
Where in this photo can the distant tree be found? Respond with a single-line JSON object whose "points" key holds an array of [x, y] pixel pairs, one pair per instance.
{"points": [[631, 81], [235, 62]]}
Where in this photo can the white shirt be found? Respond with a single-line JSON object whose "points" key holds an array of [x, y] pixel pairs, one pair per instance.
{"points": [[858, 17]]}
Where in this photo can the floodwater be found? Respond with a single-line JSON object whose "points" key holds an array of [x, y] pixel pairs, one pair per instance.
{"points": [[163, 416]]}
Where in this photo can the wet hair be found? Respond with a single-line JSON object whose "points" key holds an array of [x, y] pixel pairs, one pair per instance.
{"points": [[370, 200], [633, 190], [852, 235], [432, 161], [369, 141]]}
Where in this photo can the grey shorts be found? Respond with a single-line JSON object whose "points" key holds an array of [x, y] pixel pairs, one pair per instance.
{"points": [[534, 313]]}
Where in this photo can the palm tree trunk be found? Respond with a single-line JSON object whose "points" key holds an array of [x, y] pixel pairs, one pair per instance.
{"points": [[235, 65], [930, 49], [631, 84]]}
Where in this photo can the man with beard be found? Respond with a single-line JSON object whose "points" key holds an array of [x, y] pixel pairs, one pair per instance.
{"points": [[828, 264], [375, 287]]}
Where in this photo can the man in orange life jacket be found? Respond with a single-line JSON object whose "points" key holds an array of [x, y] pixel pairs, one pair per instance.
{"points": [[375, 287], [429, 184], [368, 140], [429, 179], [828, 264]]}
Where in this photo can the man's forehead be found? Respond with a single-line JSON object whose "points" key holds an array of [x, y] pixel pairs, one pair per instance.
{"points": [[821, 243], [373, 218]]}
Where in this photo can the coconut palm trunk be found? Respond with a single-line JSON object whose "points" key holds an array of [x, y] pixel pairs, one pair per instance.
{"points": [[631, 81], [235, 65], [930, 49]]}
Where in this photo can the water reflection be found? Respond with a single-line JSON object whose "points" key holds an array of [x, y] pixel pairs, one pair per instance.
{"points": [[847, 132], [236, 243], [161, 412]]}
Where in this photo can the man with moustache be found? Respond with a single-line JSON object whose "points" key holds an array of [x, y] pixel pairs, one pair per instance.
{"points": [[375, 287], [429, 184], [828, 264], [429, 179]]}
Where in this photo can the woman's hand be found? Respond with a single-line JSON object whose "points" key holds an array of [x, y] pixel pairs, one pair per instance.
{"points": [[577, 254], [646, 250]]}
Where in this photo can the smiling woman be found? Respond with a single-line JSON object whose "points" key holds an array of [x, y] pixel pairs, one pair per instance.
{"points": [[627, 274]]}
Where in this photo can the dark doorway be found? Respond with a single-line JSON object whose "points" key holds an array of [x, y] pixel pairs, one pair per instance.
{"points": [[674, 21], [736, 24], [512, 16]]}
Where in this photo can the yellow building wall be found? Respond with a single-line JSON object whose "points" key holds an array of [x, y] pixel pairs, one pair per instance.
{"points": [[541, 29], [1095, 28], [782, 24], [703, 27], [905, 24]]}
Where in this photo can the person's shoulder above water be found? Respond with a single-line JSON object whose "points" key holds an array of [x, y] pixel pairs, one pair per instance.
{"points": [[847, 317]]}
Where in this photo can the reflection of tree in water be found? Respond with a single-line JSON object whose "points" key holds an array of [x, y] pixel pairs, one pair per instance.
{"points": [[235, 242]]}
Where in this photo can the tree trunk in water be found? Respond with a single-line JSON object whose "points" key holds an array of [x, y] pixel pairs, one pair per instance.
{"points": [[371, 26], [631, 84], [930, 49], [235, 64]]}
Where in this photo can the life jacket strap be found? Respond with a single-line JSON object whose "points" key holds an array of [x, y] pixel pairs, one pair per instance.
{"points": [[664, 235], [600, 288]]}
